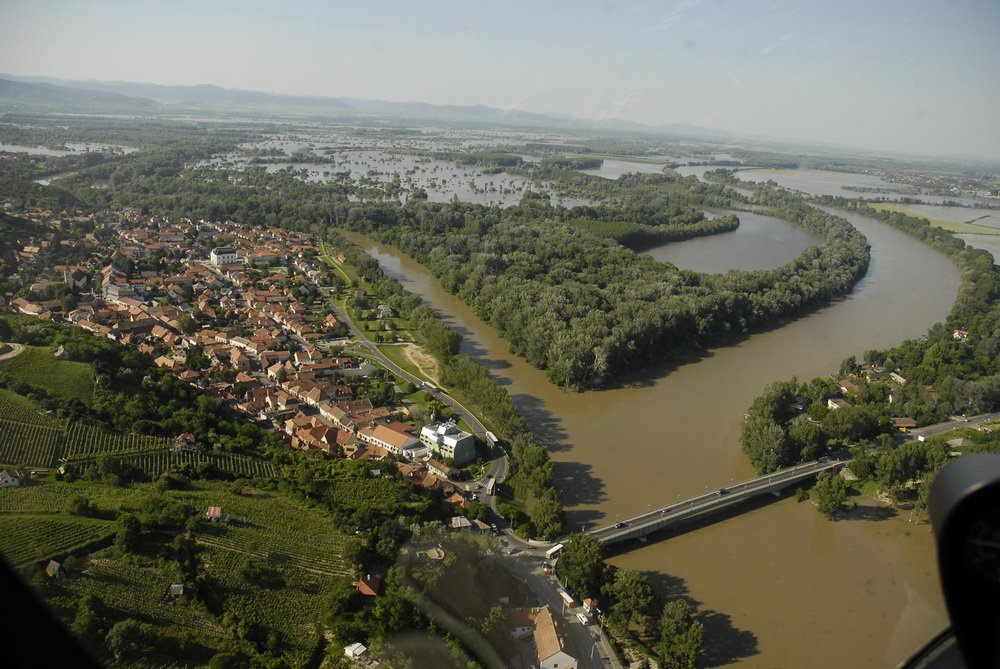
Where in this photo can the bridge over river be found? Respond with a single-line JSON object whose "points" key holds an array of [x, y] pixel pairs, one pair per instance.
{"points": [[711, 502]]}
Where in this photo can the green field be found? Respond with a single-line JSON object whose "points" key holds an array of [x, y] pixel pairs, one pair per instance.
{"points": [[38, 367], [31, 538], [270, 569], [31, 438]]}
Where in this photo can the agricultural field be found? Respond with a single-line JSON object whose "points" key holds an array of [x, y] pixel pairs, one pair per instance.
{"points": [[84, 440], [32, 538], [260, 579], [38, 367], [296, 557], [28, 436], [19, 409], [29, 445]]}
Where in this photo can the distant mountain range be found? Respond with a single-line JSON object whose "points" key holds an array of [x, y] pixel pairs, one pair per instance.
{"points": [[47, 94]]}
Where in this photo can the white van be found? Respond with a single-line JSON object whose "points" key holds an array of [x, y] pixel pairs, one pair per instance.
{"points": [[582, 617]]}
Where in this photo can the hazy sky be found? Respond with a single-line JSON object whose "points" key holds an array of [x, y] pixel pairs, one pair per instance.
{"points": [[919, 76]]}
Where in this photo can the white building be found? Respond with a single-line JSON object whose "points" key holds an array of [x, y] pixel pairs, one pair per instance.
{"points": [[223, 255], [448, 441]]}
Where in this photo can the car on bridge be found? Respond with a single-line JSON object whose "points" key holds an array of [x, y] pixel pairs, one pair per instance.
{"points": [[722, 491], [618, 526]]}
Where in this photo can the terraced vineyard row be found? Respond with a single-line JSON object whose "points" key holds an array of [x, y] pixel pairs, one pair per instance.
{"points": [[140, 592], [328, 564], [156, 462], [29, 539], [84, 440], [293, 608], [29, 444], [13, 407]]}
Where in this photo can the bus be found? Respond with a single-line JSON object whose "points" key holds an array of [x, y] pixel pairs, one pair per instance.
{"points": [[554, 551]]}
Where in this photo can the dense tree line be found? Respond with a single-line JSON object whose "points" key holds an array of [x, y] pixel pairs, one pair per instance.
{"points": [[490, 401], [945, 374], [630, 605], [586, 309]]}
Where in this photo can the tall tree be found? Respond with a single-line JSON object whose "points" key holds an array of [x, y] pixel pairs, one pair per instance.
{"points": [[581, 566]]}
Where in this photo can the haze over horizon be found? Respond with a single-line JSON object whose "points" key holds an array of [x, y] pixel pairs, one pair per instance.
{"points": [[917, 79]]}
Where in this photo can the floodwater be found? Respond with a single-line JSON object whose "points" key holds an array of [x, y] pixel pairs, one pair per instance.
{"points": [[760, 242], [779, 586], [615, 169], [826, 182]]}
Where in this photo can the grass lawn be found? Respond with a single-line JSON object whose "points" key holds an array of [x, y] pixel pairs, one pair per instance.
{"points": [[38, 367]]}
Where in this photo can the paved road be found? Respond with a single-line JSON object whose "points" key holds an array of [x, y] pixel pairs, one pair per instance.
{"points": [[499, 466], [948, 426], [590, 644]]}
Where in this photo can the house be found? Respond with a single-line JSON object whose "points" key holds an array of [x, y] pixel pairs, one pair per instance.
{"points": [[904, 423], [835, 403], [53, 569], [355, 651], [216, 514], [389, 439], [552, 645], [442, 470], [176, 590], [9, 479], [460, 523], [848, 387], [448, 441], [184, 442], [370, 585]]}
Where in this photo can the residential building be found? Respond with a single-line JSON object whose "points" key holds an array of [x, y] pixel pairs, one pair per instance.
{"points": [[223, 255], [389, 439]]}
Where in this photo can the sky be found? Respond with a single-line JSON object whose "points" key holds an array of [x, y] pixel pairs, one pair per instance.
{"points": [[918, 77]]}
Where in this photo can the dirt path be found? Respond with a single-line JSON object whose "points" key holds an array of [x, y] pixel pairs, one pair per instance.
{"points": [[15, 350], [424, 361]]}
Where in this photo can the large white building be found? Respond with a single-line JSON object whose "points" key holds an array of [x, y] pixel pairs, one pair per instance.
{"points": [[223, 255], [448, 441]]}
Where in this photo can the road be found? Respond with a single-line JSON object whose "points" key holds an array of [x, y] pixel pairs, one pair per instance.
{"points": [[498, 466], [948, 426], [15, 350], [591, 646]]}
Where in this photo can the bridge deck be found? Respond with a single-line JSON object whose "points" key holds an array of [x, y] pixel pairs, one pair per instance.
{"points": [[711, 502]]}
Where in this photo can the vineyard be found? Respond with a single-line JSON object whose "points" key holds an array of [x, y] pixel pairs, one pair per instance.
{"points": [[154, 463], [31, 438], [301, 546], [33, 538], [27, 444], [27, 436], [19, 409], [376, 493], [83, 440], [140, 592]]}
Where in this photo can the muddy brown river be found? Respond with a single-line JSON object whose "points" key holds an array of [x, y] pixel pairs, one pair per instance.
{"points": [[777, 585]]}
